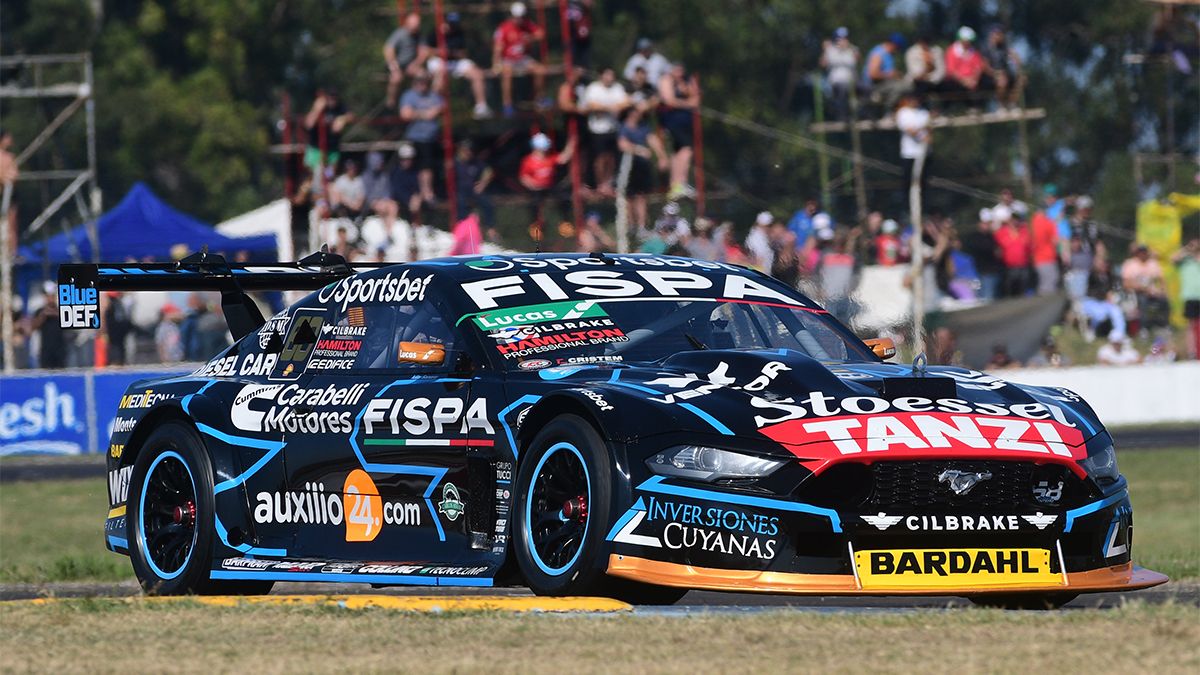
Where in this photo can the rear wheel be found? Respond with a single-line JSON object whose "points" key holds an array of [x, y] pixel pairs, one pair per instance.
{"points": [[563, 502], [170, 517], [1036, 601]]}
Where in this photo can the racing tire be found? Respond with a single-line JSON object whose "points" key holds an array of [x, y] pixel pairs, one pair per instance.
{"points": [[558, 551], [170, 511], [1033, 601]]}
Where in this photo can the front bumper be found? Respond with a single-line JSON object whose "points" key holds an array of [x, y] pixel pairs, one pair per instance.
{"points": [[1125, 577]]}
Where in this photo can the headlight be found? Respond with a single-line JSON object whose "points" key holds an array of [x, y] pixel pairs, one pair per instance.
{"points": [[709, 464], [1102, 466]]}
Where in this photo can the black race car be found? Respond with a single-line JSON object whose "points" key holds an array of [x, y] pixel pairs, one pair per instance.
{"points": [[627, 425]]}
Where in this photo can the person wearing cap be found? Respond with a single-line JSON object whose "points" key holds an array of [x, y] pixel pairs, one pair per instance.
{"points": [[1015, 245], [539, 172], [925, 65], [887, 244], [422, 108], [579, 23], [881, 76], [460, 65], [980, 244], [758, 242], [512, 46], [801, 222], [966, 69], [639, 145], [1004, 65], [1048, 356], [647, 58], [168, 341], [406, 183], [377, 190], [404, 54], [840, 59], [1117, 351]]}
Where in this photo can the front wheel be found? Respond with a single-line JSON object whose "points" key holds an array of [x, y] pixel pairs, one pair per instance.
{"points": [[563, 505], [170, 517]]}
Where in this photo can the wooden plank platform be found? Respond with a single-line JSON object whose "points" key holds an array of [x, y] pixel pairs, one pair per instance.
{"points": [[962, 120]]}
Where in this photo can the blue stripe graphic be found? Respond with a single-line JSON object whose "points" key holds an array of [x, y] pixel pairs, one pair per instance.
{"points": [[1093, 507], [655, 484], [407, 579], [118, 542]]}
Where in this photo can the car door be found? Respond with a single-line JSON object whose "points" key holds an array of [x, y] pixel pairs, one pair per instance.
{"points": [[384, 426]]}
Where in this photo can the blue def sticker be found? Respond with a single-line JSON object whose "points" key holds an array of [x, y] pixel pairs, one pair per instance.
{"points": [[78, 307]]}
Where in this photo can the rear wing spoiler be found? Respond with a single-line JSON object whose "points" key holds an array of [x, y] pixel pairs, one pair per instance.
{"points": [[79, 285]]}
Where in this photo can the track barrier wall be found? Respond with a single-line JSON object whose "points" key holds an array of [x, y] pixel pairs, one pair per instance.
{"points": [[1126, 395], [64, 412]]}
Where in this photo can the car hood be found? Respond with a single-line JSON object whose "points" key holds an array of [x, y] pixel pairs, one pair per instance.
{"points": [[834, 409]]}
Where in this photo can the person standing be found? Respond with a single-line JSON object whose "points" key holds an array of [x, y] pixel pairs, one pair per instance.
{"points": [[1015, 243], [422, 108], [1045, 253], [324, 124], [638, 145], [52, 342], [981, 246], [840, 59], [604, 100], [648, 59], [913, 121], [1187, 259], [680, 96], [403, 54], [539, 173]]}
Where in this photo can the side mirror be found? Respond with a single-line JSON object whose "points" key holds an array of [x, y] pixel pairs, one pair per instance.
{"points": [[421, 353], [884, 348]]}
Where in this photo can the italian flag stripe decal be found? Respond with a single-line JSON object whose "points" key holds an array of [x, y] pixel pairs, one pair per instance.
{"points": [[432, 442]]}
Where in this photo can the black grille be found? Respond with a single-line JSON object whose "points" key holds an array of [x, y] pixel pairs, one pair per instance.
{"points": [[915, 485]]}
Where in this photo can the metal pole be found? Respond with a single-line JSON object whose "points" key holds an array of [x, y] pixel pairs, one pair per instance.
{"points": [[573, 120], [6, 262], [698, 151], [860, 190], [918, 256], [822, 158], [1023, 148], [289, 186], [95, 194], [623, 202], [447, 118]]}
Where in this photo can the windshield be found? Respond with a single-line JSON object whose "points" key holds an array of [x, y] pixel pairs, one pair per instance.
{"points": [[633, 330]]}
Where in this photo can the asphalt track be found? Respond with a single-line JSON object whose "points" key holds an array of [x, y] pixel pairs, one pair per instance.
{"points": [[695, 601]]}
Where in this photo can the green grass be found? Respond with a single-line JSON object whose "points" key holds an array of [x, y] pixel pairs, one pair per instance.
{"points": [[141, 636], [1164, 486], [54, 531]]}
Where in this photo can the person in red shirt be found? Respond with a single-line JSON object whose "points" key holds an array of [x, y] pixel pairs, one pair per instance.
{"points": [[1015, 243], [512, 45], [1045, 252], [538, 172], [887, 244], [966, 69]]}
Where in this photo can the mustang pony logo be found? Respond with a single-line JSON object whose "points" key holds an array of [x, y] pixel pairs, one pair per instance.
{"points": [[961, 482]]}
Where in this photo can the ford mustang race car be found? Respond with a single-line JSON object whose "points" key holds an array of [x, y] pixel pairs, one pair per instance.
{"points": [[626, 425]]}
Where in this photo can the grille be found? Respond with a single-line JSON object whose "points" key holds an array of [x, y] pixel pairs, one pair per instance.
{"points": [[915, 485]]}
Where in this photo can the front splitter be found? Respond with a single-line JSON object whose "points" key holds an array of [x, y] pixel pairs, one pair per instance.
{"points": [[1126, 577]]}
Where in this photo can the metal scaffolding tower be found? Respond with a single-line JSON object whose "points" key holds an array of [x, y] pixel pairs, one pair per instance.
{"points": [[51, 79]]}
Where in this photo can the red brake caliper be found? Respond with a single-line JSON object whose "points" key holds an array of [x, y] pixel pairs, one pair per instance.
{"points": [[185, 515], [576, 508]]}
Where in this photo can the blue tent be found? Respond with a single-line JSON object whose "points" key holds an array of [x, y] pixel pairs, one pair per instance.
{"points": [[142, 226]]}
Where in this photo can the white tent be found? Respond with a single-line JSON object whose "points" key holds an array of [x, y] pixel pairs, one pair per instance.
{"points": [[274, 218]]}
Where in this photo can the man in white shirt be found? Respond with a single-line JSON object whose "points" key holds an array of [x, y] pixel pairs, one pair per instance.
{"points": [[655, 64], [915, 135], [603, 100], [1118, 352]]}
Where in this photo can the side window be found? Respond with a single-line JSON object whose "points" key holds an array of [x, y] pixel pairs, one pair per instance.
{"points": [[384, 337]]}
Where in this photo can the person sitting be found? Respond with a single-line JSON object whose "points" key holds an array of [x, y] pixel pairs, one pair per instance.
{"points": [[511, 54], [460, 65]]}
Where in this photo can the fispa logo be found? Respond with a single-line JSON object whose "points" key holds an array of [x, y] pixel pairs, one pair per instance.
{"points": [[627, 284], [274, 408], [414, 416], [78, 307], [385, 289], [145, 399], [363, 511]]}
